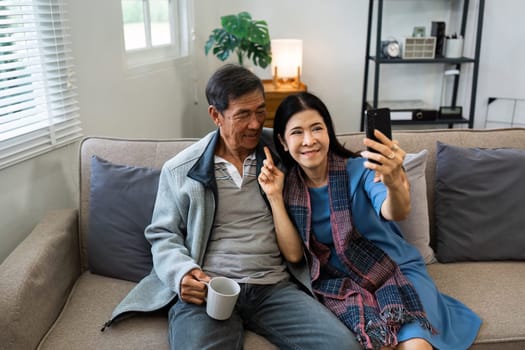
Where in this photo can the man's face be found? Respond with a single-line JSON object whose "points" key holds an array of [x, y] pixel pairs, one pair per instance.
{"points": [[241, 124]]}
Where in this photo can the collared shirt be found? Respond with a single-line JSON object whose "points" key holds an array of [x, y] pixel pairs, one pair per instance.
{"points": [[225, 169], [243, 245]]}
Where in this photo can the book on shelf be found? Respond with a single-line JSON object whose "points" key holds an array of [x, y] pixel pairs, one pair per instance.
{"points": [[406, 109]]}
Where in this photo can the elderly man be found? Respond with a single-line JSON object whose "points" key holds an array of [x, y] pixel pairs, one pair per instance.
{"points": [[212, 219]]}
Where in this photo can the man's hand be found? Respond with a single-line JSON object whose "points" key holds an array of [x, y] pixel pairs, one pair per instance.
{"points": [[193, 288]]}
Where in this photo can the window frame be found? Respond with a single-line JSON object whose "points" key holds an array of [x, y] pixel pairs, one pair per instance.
{"points": [[179, 34]]}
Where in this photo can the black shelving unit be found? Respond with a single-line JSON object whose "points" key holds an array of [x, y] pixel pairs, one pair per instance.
{"points": [[378, 61]]}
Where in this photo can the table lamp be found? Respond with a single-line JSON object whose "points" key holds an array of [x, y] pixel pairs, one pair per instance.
{"points": [[287, 61]]}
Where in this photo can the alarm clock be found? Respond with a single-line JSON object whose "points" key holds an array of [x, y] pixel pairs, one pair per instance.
{"points": [[390, 49]]}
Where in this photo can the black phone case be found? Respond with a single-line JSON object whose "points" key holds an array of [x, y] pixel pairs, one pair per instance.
{"points": [[377, 119]]}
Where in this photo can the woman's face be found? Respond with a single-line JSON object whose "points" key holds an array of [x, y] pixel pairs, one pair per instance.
{"points": [[306, 139]]}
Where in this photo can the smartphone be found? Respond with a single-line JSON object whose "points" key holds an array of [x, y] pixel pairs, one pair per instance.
{"points": [[377, 119]]}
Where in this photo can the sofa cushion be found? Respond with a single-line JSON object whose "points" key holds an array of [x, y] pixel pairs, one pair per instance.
{"points": [[89, 307], [479, 203], [90, 304], [492, 290], [415, 227], [121, 204]]}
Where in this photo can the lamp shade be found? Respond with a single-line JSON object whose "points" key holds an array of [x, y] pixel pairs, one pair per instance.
{"points": [[287, 55]]}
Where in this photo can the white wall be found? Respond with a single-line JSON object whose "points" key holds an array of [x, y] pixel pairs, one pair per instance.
{"points": [[502, 70], [167, 100], [334, 37], [151, 101], [28, 190]]}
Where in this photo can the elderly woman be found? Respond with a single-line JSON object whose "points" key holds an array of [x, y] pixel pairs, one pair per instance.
{"points": [[337, 208]]}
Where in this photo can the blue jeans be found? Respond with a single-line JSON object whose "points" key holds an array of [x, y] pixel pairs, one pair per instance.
{"points": [[282, 313]]}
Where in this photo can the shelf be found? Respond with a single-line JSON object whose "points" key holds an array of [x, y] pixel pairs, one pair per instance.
{"points": [[430, 122], [466, 12], [422, 60]]}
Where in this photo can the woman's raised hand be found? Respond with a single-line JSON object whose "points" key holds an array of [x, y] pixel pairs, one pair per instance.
{"points": [[390, 156], [390, 171], [271, 178]]}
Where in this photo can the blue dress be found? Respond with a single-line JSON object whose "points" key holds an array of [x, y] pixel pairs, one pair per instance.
{"points": [[456, 324]]}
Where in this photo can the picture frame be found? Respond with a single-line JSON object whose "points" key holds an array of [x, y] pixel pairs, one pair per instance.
{"points": [[419, 32]]}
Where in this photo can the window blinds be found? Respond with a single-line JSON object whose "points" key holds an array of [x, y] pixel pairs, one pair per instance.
{"points": [[38, 107]]}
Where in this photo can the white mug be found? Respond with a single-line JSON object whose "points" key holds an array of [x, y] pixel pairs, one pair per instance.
{"points": [[222, 296]]}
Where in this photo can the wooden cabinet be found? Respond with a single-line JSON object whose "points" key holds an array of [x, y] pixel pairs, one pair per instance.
{"points": [[274, 96]]}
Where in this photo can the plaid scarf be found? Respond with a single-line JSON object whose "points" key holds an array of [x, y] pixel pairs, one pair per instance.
{"points": [[374, 299]]}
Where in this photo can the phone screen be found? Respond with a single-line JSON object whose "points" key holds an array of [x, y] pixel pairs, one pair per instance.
{"points": [[377, 119]]}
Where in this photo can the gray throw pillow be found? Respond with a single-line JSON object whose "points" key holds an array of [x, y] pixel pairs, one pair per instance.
{"points": [[121, 204], [416, 227], [479, 207]]}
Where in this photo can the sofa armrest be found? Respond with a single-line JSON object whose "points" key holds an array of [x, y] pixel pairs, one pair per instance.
{"points": [[36, 278]]}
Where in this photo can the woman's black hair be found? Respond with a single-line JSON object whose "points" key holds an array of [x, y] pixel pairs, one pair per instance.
{"points": [[294, 104]]}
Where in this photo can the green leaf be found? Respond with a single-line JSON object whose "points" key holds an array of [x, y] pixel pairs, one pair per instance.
{"points": [[243, 35], [258, 33]]}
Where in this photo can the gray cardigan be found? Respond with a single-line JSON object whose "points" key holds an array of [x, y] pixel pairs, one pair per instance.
{"points": [[181, 225]]}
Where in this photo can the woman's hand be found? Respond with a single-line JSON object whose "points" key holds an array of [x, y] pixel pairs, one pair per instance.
{"points": [[390, 157], [271, 178]]}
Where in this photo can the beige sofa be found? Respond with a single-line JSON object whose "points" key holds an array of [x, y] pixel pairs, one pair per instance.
{"points": [[50, 300]]}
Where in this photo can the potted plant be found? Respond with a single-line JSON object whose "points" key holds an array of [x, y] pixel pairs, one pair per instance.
{"points": [[244, 36]]}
